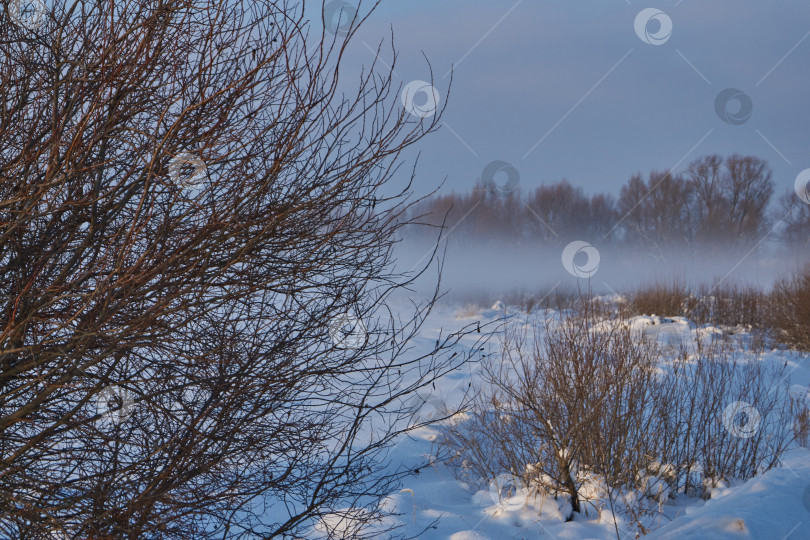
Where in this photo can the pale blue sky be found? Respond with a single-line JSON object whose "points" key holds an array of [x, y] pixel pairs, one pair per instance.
{"points": [[523, 66]]}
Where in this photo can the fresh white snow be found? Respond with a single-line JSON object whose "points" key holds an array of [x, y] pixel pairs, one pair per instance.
{"points": [[773, 505]]}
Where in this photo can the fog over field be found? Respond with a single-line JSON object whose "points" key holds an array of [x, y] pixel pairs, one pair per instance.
{"points": [[363, 269], [475, 271]]}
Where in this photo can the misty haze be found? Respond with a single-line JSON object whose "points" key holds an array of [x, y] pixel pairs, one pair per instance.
{"points": [[360, 269]]}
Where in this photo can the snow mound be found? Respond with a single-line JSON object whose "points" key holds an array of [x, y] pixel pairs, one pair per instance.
{"points": [[771, 505]]}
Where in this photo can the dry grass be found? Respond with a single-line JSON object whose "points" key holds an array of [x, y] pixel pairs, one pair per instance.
{"points": [[790, 314], [726, 304], [528, 301], [783, 313]]}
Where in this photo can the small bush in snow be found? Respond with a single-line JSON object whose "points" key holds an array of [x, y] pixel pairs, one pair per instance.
{"points": [[602, 419]]}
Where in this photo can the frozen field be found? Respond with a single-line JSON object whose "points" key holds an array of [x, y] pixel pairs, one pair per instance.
{"points": [[773, 505]]}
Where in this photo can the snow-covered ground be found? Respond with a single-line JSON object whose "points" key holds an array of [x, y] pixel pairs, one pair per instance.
{"points": [[773, 505]]}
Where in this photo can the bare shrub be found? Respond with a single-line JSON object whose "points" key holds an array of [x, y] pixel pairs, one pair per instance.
{"points": [[192, 204], [801, 421], [801, 424], [559, 298], [585, 409], [790, 301], [665, 299], [722, 416], [729, 304], [565, 404], [783, 313]]}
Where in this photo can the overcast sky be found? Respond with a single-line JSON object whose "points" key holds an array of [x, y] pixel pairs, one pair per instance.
{"points": [[568, 89]]}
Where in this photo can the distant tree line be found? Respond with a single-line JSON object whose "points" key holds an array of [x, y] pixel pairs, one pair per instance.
{"points": [[715, 202]]}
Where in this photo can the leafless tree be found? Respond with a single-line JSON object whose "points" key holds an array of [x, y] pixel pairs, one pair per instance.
{"points": [[732, 197], [567, 213], [704, 174], [548, 215], [658, 213], [720, 202], [795, 213], [196, 259], [749, 187], [717, 202]]}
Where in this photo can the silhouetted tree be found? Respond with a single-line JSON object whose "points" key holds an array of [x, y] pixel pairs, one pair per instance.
{"points": [[732, 198], [795, 213], [658, 213], [195, 264], [718, 202]]}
